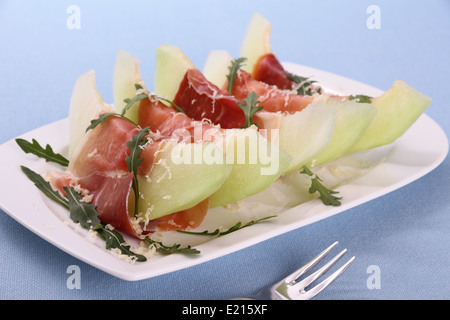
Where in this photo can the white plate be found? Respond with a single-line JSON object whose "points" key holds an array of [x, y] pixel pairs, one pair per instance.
{"points": [[421, 149]]}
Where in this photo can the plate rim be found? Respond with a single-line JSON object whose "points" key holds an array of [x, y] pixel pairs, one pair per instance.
{"points": [[108, 263]]}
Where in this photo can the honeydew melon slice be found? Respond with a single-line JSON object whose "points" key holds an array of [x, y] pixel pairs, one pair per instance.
{"points": [[303, 134], [170, 186], [398, 108], [352, 121], [178, 182], [171, 63], [257, 164], [126, 74], [216, 67], [170, 68], [256, 40], [86, 104]]}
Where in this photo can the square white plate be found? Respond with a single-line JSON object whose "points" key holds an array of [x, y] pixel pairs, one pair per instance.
{"points": [[421, 149]]}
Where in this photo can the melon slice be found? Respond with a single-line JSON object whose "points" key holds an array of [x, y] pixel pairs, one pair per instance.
{"points": [[257, 164], [126, 74], [256, 40], [303, 134], [216, 67], [86, 104], [174, 185], [169, 58], [352, 121], [398, 108], [170, 186], [170, 68]]}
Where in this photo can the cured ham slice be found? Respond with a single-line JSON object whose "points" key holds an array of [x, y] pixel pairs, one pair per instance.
{"points": [[111, 197], [273, 99], [104, 148], [268, 69], [201, 99], [99, 169], [167, 123], [100, 172], [182, 220]]}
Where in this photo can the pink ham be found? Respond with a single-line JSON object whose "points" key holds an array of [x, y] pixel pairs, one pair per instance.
{"points": [[272, 98], [99, 171], [200, 99]]}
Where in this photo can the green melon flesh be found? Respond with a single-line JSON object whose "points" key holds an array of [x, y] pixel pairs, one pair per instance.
{"points": [[257, 164], [126, 74], [174, 185], [256, 40], [86, 104], [172, 65], [352, 121], [306, 133], [170, 68], [398, 108], [216, 67]]}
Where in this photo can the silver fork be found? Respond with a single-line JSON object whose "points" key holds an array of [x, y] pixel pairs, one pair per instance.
{"points": [[290, 288]]}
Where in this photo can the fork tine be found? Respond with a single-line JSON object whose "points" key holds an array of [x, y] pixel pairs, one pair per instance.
{"points": [[301, 285], [294, 276], [322, 285]]}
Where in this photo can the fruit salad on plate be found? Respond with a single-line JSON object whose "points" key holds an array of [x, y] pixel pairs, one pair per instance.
{"points": [[160, 161]]}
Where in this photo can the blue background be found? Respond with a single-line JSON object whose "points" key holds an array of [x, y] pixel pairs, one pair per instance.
{"points": [[405, 233]]}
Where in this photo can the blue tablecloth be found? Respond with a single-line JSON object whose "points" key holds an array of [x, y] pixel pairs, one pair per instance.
{"points": [[404, 234]]}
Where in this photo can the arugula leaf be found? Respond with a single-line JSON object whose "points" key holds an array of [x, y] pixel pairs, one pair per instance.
{"points": [[175, 248], [103, 117], [234, 68], [114, 240], [360, 98], [45, 187], [217, 232], [135, 145], [141, 96], [100, 120], [326, 195], [303, 84], [82, 212], [133, 161], [48, 154], [249, 107], [179, 109], [130, 102]]}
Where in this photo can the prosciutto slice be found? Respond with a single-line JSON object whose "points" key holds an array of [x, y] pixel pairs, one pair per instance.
{"points": [[201, 99], [268, 69], [166, 122], [99, 171], [272, 98]]}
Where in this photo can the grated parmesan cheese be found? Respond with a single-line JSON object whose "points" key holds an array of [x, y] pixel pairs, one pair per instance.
{"points": [[163, 163], [93, 153]]}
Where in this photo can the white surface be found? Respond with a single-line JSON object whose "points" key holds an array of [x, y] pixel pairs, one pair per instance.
{"points": [[422, 148]]}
